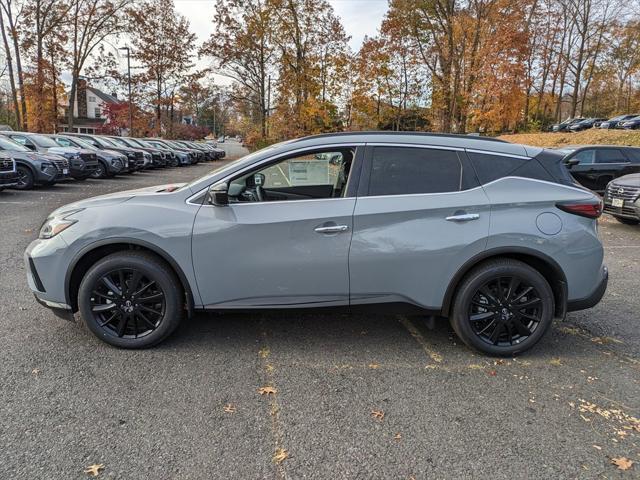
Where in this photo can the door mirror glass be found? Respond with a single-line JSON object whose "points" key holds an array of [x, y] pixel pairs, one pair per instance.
{"points": [[218, 194]]}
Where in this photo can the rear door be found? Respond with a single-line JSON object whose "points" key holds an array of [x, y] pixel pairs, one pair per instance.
{"points": [[420, 214]]}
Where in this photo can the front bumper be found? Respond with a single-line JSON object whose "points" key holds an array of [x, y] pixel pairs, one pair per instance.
{"points": [[46, 266], [594, 298], [8, 179]]}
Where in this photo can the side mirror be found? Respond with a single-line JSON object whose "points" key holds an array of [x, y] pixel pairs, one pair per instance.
{"points": [[572, 162], [218, 194], [30, 147]]}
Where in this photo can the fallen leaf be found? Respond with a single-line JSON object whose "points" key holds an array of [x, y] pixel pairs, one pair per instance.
{"points": [[475, 366], [556, 362], [94, 470], [397, 436], [492, 373], [229, 408], [436, 357], [374, 366], [264, 352], [267, 390], [622, 463], [35, 371], [377, 414], [280, 455], [269, 368], [597, 447]]}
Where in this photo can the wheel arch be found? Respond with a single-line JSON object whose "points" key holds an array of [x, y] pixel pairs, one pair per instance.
{"points": [[29, 165], [93, 252], [541, 262]]}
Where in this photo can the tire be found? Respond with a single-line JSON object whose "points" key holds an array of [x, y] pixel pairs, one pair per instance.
{"points": [[627, 221], [100, 172], [25, 178], [142, 328], [510, 301]]}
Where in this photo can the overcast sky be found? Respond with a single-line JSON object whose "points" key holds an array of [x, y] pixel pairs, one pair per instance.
{"points": [[359, 17]]}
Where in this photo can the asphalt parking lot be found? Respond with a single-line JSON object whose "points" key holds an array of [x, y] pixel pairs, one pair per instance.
{"points": [[352, 396]]}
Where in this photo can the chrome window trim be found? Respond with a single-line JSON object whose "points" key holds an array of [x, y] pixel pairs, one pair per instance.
{"points": [[487, 152], [274, 158]]}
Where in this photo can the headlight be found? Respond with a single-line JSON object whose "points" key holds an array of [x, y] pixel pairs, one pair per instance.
{"points": [[45, 165], [72, 156], [54, 225]]}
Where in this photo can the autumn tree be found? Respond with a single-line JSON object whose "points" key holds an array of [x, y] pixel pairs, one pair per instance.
{"points": [[242, 48], [11, 14], [93, 21], [163, 45]]}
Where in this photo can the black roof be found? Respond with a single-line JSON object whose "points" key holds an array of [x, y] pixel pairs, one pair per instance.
{"points": [[417, 134]]}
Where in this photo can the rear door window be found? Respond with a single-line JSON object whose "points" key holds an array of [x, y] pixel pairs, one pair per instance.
{"points": [[610, 155], [409, 170]]}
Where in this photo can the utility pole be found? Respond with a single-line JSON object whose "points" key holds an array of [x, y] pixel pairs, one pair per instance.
{"points": [[129, 78]]}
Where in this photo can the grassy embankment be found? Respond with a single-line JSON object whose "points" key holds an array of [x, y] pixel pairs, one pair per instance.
{"points": [[592, 136]]}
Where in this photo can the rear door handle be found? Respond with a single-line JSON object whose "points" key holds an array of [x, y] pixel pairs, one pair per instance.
{"points": [[332, 229], [464, 217]]}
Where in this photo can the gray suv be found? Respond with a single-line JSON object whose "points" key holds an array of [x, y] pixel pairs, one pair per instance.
{"points": [[495, 236]]}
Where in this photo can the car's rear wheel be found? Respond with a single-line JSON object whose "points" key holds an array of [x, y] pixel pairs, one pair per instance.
{"points": [[502, 307], [627, 221], [130, 300]]}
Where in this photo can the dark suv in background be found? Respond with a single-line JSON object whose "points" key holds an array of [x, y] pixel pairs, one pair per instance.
{"points": [[135, 157], [621, 199], [158, 158], [8, 172], [110, 162], [82, 163], [35, 168], [594, 166]]}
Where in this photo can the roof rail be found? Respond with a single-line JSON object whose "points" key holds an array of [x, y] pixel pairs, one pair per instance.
{"points": [[388, 132]]}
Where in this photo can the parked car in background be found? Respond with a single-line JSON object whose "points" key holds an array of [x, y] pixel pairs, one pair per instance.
{"points": [[110, 162], [82, 163], [158, 158], [282, 228], [35, 168], [621, 199], [171, 158], [616, 122], [184, 155], [205, 155], [217, 152], [221, 139], [631, 124], [8, 171], [594, 166], [135, 157], [196, 155], [564, 126], [586, 124]]}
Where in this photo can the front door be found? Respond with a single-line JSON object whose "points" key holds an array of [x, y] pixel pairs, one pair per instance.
{"points": [[420, 218], [283, 240]]}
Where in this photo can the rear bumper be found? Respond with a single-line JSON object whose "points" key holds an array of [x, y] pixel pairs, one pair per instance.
{"points": [[594, 298]]}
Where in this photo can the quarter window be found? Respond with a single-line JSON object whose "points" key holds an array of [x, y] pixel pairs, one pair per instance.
{"points": [[493, 167], [610, 155], [407, 170]]}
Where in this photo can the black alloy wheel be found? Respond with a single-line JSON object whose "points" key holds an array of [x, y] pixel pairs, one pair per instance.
{"points": [[127, 304], [502, 307], [505, 311], [131, 299]]}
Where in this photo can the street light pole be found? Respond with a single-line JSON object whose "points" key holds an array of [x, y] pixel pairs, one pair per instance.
{"points": [[129, 78]]}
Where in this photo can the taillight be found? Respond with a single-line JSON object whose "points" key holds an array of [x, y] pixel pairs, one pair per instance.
{"points": [[592, 209]]}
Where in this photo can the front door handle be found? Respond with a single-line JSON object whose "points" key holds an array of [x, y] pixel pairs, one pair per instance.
{"points": [[332, 229], [463, 217]]}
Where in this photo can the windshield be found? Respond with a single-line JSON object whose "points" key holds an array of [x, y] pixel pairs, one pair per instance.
{"points": [[81, 143], [105, 142], [118, 142], [43, 141], [10, 145]]}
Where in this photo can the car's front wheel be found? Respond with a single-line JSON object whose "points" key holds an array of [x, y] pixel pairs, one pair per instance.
{"points": [[130, 300], [502, 307]]}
